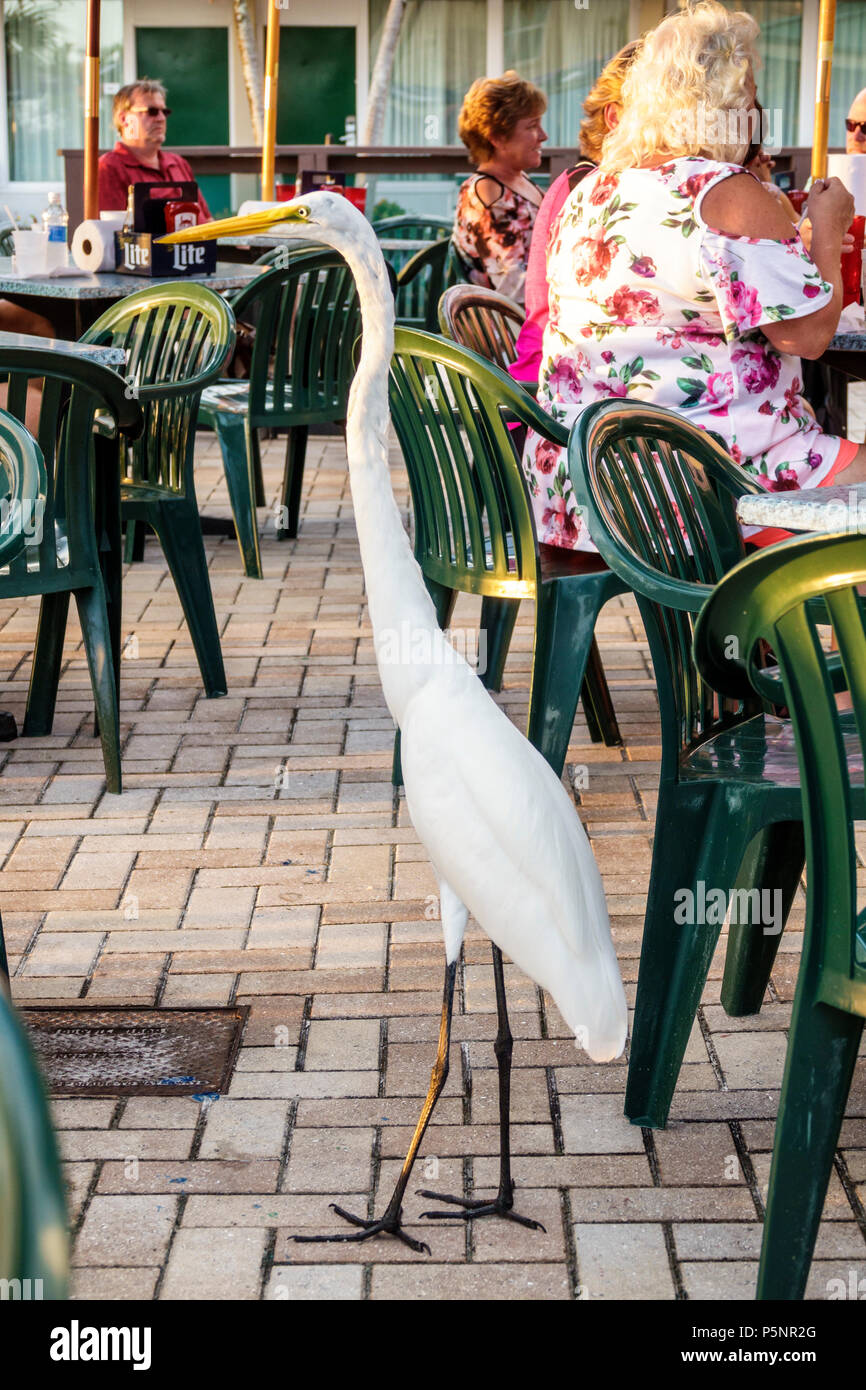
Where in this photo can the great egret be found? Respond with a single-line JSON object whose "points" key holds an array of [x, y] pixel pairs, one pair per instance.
{"points": [[502, 833]]}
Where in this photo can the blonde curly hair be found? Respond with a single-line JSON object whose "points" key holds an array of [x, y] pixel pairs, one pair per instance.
{"points": [[492, 107], [607, 91], [688, 91]]}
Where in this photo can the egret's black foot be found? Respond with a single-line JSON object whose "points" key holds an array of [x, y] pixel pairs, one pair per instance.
{"points": [[477, 1206], [386, 1225]]}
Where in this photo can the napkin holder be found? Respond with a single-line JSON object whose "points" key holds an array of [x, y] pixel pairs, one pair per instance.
{"points": [[139, 252]]}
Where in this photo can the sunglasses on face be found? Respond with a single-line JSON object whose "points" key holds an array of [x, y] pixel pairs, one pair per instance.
{"points": [[851, 126], [152, 111]]}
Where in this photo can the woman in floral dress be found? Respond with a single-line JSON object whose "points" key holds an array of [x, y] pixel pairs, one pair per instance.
{"points": [[500, 124], [603, 105], [676, 279]]}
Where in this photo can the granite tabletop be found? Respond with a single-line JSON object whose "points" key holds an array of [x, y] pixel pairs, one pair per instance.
{"points": [[109, 285], [840, 508], [108, 356], [849, 342]]}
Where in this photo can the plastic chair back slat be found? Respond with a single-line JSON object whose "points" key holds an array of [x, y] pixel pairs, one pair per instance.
{"points": [[659, 499], [483, 320]]}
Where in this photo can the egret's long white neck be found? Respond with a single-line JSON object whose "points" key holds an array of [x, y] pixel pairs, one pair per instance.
{"points": [[400, 607]]}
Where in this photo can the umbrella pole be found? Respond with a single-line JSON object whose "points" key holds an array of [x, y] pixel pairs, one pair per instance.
{"points": [[826, 32], [269, 136], [91, 112]]}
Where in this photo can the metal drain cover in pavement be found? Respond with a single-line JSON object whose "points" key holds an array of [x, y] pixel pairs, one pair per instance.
{"points": [[140, 1052]]}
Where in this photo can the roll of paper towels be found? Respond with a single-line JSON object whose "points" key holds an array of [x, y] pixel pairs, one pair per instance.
{"points": [[93, 246], [851, 169], [117, 219]]}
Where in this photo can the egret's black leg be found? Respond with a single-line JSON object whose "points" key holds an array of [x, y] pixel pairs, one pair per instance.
{"points": [[390, 1220], [503, 1203]]}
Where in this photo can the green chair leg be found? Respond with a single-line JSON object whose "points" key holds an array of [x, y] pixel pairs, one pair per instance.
{"points": [[699, 847], [177, 526], [239, 468], [564, 623], [498, 616], [773, 864], [255, 455], [822, 1050], [293, 479], [134, 547], [601, 720], [47, 660], [4, 959], [96, 634], [444, 600]]}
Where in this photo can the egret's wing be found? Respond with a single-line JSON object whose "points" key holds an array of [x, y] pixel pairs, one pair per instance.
{"points": [[477, 789]]}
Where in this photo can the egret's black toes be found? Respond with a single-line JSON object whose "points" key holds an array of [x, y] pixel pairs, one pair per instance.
{"points": [[384, 1226], [476, 1206], [446, 1197]]}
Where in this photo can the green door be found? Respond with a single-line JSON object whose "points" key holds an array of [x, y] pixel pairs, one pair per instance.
{"points": [[194, 66], [316, 85]]}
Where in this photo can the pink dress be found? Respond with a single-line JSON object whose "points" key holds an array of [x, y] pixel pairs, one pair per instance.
{"points": [[493, 240], [649, 303], [525, 366]]}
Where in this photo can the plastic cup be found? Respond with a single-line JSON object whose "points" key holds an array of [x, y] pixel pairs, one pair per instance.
{"points": [[852, 264], [30, 252]]}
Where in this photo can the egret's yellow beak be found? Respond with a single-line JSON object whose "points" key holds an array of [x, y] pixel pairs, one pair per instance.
{"points": [[251, 225]]}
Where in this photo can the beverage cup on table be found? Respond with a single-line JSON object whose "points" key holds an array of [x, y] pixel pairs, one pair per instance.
{"points": [[30, 252], [852, 264]]}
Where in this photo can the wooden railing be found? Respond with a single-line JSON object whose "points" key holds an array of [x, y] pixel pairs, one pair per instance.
{"points": [[352, 159]]}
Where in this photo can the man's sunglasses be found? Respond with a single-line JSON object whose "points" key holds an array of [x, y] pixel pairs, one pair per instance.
{"points": [[851, 126], [152, 111]]}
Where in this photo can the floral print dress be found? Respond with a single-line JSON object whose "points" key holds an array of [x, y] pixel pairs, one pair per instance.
{"points": [[492, 241], [648, 303]]}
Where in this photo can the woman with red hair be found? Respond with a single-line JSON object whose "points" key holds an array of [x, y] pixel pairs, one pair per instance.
{"points": [[500, 124]]}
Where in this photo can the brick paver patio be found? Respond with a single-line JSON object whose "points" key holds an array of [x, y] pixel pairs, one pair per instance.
{"points": [[260, 855]]}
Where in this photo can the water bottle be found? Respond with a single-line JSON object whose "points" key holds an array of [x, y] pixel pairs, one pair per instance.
{"points": [[55, 221]]}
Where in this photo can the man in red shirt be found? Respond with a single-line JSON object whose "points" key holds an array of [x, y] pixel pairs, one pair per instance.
{"points": [[140, 114]]}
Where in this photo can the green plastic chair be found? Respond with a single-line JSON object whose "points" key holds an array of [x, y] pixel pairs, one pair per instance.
{"points": [[307, 319], [7, 245], [474, 530], [34, 1243], [767, 596], [177, 337], [420, 283], [422, 273], [659, 497], [484, 320], [67, 489], [410, 227], [488, 323]]}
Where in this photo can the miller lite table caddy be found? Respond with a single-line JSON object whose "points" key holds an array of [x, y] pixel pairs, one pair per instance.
{"points": [[147, 217]]}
